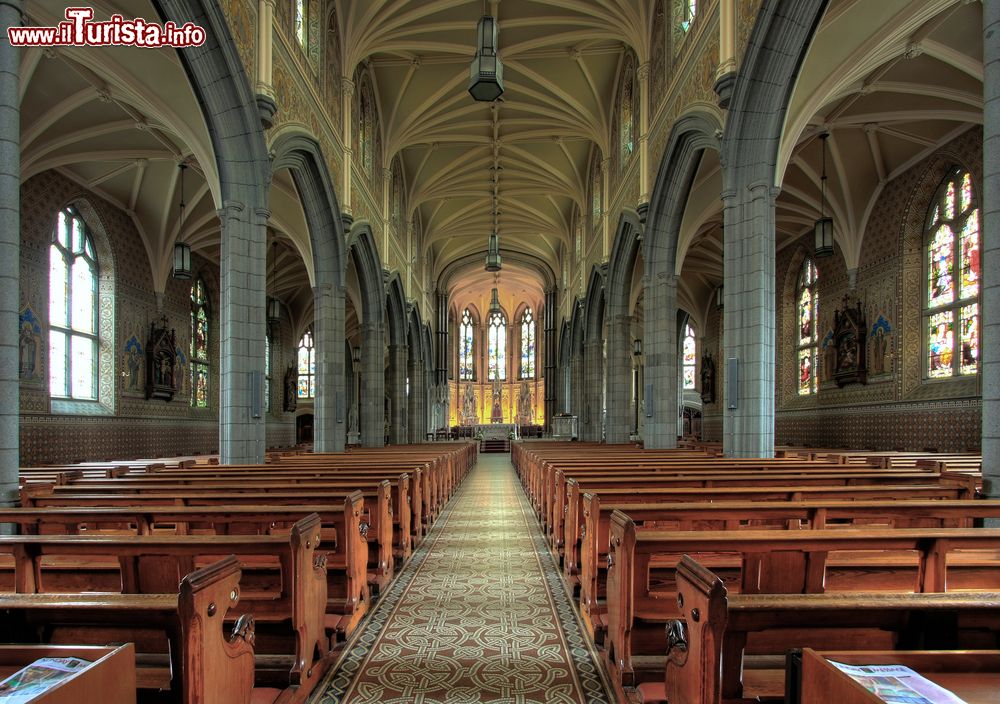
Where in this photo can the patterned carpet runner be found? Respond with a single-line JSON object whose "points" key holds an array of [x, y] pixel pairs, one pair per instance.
{"points": [[478, 615]]}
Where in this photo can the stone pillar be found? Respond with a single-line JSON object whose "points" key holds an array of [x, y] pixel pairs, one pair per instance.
{"points": [[396, 390], [593, 362], [266, 106], [10, 248], [620, 410], [550, 357], [990, 345], [372, 394], [659, 346], [241, 329], [748, 429], [442, 337], [577, 402], [416, 409], [329, 408], [346, 192]]}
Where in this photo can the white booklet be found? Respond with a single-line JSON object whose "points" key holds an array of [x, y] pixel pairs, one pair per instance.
{"points": [[34, 680], [896, 684]]}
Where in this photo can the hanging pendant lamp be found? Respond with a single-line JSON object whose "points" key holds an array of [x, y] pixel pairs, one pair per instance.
{"points": [[824, 226], [182, 250], [486, 70]]}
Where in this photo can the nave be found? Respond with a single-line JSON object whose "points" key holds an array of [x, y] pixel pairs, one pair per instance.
{"points": [[479, 614]]}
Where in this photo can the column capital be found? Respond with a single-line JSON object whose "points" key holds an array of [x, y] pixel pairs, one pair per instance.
{"points": [[347, 86], [642, 73]]}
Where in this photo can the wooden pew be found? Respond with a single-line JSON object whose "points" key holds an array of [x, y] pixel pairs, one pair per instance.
{"points": [[284, 580], [710, 640], [204, 665], [642, 570], [752, 515], [377, 522], [974, 676]]}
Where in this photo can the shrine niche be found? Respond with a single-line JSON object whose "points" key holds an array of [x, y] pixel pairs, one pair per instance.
{"points": [[161, 362], [707, 379], [291, 390], [879, 340], [849, 344]]}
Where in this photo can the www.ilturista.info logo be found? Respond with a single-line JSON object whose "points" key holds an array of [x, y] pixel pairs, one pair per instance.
{"points": [[79, 29]]}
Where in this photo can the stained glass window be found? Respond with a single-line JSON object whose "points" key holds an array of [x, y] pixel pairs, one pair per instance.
{"points": [[952, 307], [307, 366], [807, 316], [301, 24], [200, 318], [689, 8], [528, 344], [267, 372], [497, 351], [73, 331], [466, 346], [689, 350], [626, 129]]}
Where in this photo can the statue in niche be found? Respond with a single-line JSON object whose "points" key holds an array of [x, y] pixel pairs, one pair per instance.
{"points": [[707, 379], [497, 414], [291, 389], [879, 338], [469, 416], [525, 413], [829, 358], [161, 360], [849, 330], [29, 346]]}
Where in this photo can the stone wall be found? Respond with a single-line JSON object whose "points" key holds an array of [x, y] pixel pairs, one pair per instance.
{"points": [[123, 423]]}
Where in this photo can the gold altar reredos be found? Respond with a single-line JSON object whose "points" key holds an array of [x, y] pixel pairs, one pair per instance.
{"points": [[510, 395]]}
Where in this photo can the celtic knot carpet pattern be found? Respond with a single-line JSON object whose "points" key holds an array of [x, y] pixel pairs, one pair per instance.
{"points": [[479, 615]]}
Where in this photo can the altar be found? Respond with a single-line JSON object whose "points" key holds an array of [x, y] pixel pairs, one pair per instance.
{"points": [[496, 431]]}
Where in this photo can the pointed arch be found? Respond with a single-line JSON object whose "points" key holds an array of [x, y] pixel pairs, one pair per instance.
{"points": [[368, 266], [395, 309]]}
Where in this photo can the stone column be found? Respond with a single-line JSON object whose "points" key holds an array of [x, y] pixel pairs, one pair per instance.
{"points": [[416, 415], [442, 337], [330, 413], [10, 248], [577, 402], [550, 357], [593, 362], [241, 329], [659, 346], [748, 429], [990, 345], [396, 390], [372, 394], [620, 409]]}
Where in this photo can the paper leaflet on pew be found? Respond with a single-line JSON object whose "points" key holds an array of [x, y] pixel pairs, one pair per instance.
{"points": [[37, 678], [896, 684]]}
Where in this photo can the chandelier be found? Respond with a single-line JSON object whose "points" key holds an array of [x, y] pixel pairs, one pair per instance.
{"points": [[486, 71], [182, 250]]}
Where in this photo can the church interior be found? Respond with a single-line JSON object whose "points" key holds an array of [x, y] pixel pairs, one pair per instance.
{"points": [[468, 351]]}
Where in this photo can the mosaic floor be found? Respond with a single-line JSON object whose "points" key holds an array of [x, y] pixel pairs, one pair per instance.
{"points": [[479, 614]]}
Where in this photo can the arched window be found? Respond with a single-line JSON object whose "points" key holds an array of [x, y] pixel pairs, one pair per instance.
{"points": [[307, 366], [200, 316], [626, 128], [73, 310], [497, 352], [301, 24], [366, 129], [267, 372], [466, 346], [953, 280], [527, 344], [689, 349], [807, 305], [688, 11]]}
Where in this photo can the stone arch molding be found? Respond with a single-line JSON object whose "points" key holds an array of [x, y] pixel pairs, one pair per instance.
{"points": [[300, 153], [368, 265]]}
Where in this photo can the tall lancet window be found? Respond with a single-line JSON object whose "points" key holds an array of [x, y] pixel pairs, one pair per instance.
{"points": [[73, 310], [200, 318], [466, 348], [307, 366], [527, 344], [808, 332], [497, 348], [689, 349], [952, 308]]}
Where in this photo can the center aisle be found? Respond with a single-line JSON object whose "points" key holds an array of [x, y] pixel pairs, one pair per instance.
{"points": [[479, 614]]}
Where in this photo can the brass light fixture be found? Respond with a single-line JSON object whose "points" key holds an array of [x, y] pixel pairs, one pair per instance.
{"points": [[495, 297], [824, 226], [719, 298], [182, 250], [486, 70]]}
